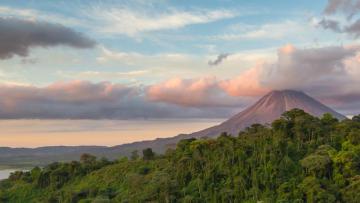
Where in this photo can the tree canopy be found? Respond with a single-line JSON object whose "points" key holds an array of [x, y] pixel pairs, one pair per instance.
{"points": [[298, 158]]}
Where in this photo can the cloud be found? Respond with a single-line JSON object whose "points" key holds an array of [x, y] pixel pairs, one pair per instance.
{"points": [[266, 31], [329, 73], [29, 60], [324, 72], [218, 59], [198, 92], [102, 74], [247, 83], [159, 65], [37, 15], [135, 58], [298, 68], [18, 36], [330, 24], [347, 8], [76, 99], [86, 100], [210, 91], [132, 22], [354, 29]]}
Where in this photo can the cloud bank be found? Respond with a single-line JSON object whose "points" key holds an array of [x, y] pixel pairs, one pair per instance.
{"points": [[331, 74], [86, 100], [18, 36]]}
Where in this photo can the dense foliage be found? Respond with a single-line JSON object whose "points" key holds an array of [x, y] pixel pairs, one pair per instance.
{"points": [[299, 158]]}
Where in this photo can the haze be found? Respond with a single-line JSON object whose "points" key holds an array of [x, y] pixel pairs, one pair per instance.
{"points": [[35, 133]]}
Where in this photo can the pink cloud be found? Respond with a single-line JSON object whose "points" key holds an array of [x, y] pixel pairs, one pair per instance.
{"points": [[330, 73], [325, 72], [246, 84], [87, 100], [86, 91], [192, 92], [209, 91]]}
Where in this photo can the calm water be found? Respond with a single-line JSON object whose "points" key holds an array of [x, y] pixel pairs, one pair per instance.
{"points": [[34, 133], [5, 173]]}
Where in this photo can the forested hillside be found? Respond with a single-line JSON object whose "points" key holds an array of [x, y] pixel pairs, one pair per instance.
{"points": [[299, 158]]}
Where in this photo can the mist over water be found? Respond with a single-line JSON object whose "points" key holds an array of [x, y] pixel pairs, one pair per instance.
{"points": [[35, 133]]}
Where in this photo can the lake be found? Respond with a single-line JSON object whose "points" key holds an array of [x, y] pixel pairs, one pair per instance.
{"points": [[35, 133], [4, 173]]}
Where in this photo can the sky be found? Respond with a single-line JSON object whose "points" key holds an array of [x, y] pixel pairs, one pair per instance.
{"points": [[144, 59], [104, 132]]}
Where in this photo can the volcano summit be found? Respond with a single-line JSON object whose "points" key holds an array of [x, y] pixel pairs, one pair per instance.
{"points": [[267, 109]]}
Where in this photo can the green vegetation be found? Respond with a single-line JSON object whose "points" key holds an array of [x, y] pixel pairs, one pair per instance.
{"points": [[299, 158]]}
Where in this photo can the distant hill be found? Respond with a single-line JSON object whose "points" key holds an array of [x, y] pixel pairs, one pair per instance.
{"points": [[266, 110]]}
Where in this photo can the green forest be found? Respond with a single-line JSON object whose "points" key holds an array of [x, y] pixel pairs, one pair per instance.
{"points": [[298, 158]]}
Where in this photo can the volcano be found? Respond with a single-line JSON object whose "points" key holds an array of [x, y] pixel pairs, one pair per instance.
{"points": [[267, 109]]}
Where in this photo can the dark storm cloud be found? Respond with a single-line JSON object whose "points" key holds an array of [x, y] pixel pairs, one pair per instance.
{"points": [[219, 59], [17, 36]]}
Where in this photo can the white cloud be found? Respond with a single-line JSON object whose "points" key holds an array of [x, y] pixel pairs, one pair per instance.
{"points": [[32, 14], [132, 22], [100, 75], [162, 66], [138, 59], [17, 12], [265, 31]]}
